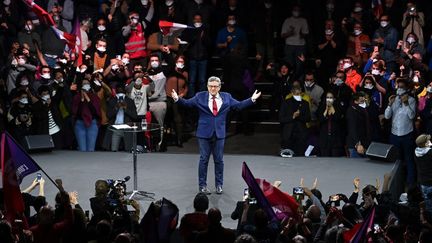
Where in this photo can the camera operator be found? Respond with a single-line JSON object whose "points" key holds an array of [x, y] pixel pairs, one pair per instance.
{"points": [[413, 22]]}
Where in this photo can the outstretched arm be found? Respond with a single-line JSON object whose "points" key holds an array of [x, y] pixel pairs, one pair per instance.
{"points": [[184, 102]]}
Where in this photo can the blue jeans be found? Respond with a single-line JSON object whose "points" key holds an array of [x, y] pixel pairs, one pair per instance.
{"points": [[197, 69], [427, 195], [405, 145], [86, 136], [215, 146]]}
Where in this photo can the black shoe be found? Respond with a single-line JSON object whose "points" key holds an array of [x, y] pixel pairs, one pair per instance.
{"points": [[219, 190], [205, 190]]}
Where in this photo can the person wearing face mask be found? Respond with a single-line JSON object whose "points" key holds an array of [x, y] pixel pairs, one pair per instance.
{"points": [[422, 158], [100, 57], [121, 110], [282, 82], [23, 83], [340, 90], [139, 90], [413, 21], [86, 116], [197, 53], [51, 46], [20, 117], [330, 116], [230, 37], [329, 48], [410, 46], [352, 79], [177, 81], [116, 73], [136, 41], [314, 91], [368, 86], [294, 114], [157, 101], [27, 35], [386, 37], [358, 45], [358, 128], [45, 78], [19, 65], [47, 116], [401, 110], [201, 7], [294, 30]]}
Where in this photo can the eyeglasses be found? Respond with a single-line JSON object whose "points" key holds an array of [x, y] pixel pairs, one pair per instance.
{"points": [[213, 86]]}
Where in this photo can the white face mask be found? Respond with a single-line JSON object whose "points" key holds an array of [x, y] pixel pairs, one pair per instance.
{"points": [[346, 65], [357, 32], [295, 13], [368, 86], [410, 40], [358, 9], [329, 100], [329, 32], [97, 82], [339, 82], [199, 2], [14, 62], [101, 27], [62, 60], [197, 24], [125, 61], [180, 65], [375, 72], [120, 96], [363, 105], [23, 101], [429, 89], [46, 76], [86, 87], [24, 82], [415, 79], [232, 8], [384, 23], [297, 97], [60, 80], [135, 21], [231, 22], [154, 64], [309, 84], [21, 61], [101, 49], [144, 2], [82, 70], [28, 27], [169, 2], [138, 81], [45, 97], [400, 91]]}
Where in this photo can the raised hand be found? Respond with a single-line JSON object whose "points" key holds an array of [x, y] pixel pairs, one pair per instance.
{"points": [[174, 95], [356, 183], [255, 95]]}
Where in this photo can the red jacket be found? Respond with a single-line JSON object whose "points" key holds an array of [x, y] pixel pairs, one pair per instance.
{"points": [[136, 46], [353, 79]]}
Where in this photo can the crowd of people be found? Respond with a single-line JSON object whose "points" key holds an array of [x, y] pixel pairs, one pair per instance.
{"points": [[114, 218]]}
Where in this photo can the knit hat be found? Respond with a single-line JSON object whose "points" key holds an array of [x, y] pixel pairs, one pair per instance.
{"points": [[422, 140]]}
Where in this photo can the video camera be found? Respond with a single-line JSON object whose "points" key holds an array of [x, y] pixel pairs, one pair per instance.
{"points": [[117, 191]]}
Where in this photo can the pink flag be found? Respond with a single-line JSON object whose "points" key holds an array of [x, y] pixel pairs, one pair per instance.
{"points": [[78, 46]]}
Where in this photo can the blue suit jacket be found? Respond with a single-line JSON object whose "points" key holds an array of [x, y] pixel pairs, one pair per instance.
{"points": [[209, 123]]}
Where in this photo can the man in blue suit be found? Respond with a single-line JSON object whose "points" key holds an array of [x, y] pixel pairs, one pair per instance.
{"points": [[213, 107]]}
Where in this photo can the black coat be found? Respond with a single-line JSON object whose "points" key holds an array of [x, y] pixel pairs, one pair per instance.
{"points": [[357, 126], [331, 136], [130, 114]]}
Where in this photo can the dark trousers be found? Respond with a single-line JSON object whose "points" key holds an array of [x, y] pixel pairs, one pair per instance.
{"points": [[209, 146], [405, 145]]}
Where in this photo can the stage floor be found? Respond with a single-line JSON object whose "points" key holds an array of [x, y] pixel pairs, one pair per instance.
{"points": [[174, 176]]}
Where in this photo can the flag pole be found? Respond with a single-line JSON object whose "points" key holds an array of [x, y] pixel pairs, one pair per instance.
{"points": [[22, 150]]}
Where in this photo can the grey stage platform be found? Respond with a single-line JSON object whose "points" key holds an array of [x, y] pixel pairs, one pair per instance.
{"points": [[174, 176]]}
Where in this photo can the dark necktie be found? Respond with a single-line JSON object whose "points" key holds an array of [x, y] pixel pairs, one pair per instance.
{"points": [[215, 110]]}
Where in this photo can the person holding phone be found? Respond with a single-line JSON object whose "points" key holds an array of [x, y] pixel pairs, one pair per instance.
{"points": [[213, 107]]}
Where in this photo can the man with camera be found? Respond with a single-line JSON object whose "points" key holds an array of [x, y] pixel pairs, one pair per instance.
{"points": [[413, 22], [121, 110]]}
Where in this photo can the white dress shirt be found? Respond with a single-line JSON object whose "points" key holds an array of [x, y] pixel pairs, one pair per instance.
{"points": [[218, 102]]}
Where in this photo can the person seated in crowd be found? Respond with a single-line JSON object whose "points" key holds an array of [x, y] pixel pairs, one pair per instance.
{"points": [[86, 116], [121, 110], [192, 224], [294, 114]]}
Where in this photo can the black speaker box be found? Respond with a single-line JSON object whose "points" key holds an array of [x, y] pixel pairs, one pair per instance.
{"points": [[35, 143], [383, 152]]}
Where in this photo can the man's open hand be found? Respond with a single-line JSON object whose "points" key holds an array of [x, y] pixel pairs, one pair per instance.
{"points": [[174, 95], [255, 95]]}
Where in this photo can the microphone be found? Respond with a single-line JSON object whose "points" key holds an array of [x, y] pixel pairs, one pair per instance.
{"points": [[126, 178]]}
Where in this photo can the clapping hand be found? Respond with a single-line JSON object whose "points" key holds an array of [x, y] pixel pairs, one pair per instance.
{"points": [[255, 95], [174, 95]]}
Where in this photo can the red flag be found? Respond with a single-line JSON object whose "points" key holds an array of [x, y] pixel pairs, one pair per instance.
{"points": [[169, 27], [283, 204], [69, 38], [15, 165], [359, 233], [43, 15]]}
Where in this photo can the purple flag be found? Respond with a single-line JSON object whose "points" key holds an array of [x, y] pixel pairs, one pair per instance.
{"points": [[19, 159], [257, 192]]}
